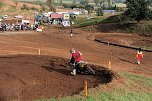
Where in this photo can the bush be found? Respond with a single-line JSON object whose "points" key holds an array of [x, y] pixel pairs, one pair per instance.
{"points": [[120, 9], [144, 30], [99, 12], [66, 5], [24, 7], [33, 8], [113, 19], [73, 6]]}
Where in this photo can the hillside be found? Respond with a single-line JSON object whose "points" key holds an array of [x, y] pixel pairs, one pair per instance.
{"points": [[70, 1], [8, 2], [19, 5]]}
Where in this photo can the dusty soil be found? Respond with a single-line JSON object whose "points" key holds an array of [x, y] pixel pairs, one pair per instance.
{"points": [[43, 77], [32, 76]]}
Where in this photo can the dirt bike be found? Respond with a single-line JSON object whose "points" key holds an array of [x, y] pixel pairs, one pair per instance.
{"points": [[84, 68]]}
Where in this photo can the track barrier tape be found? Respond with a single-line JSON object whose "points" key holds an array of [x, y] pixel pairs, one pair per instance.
{"points": [[114, 44]]}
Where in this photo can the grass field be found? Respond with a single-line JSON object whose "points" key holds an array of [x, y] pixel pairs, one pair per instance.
{"points": [[81, 21]]}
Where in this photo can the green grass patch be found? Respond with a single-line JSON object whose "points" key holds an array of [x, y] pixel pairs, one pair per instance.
{"points": [[125, 25], [137, 88], [112, 19], [128, 96], [11, 9], [83, 22], [1, 5], [147, 81], [145, 47]]}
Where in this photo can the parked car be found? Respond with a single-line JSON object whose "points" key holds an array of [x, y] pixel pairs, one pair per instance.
{"points": [[4, 17], [46, 15], [18, 16]]}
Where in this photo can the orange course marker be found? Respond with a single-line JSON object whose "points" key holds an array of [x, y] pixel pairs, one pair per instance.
{"points": [[109, 64], [85, 88], [39, 53]]}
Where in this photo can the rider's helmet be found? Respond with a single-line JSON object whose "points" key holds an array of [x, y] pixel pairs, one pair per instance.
{"points": [[139, 49], [72, 51]]}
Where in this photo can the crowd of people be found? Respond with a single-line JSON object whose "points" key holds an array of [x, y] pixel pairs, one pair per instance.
{"points": [[17, 26]]}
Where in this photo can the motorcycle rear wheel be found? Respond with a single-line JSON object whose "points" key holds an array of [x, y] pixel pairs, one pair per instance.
{"points": [[90, 70]]}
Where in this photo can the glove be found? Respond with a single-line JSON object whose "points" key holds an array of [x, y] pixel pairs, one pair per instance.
{"points": [[73, 65], [80, 53]]}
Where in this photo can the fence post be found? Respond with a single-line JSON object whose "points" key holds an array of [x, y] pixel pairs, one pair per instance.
{"points": [[39, 53], [85, 88]]}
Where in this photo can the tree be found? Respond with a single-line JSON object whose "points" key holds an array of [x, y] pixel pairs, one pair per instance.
{"points": [[16, 2], [25, 7], [101, 2], [84, 2], [74, 2], [96, 2], [42, 6], [138, 9], [50, 5], [110, 3], [89, 8], [99, 11], [60, 2]]}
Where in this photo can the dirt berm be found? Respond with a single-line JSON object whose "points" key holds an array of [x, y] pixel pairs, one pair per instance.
{"points": [[28, 77]]}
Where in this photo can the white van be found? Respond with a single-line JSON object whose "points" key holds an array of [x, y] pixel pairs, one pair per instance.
{"points": [[46, 14], [4, 17]]}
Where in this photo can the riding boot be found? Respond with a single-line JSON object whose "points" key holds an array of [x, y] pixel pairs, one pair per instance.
{"points": [[74, 72], [138, 62]]}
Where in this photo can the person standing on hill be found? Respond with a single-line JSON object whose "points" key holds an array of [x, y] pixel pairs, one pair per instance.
{"points": [[139, 55]]}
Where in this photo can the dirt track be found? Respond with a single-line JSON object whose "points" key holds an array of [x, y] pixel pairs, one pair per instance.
{"points": [[27, 77], [22, 75]]}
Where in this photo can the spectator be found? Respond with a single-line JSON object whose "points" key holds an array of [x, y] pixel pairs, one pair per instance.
{"points": [[139, 55]]}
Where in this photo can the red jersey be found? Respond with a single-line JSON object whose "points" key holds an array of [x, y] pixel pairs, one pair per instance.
{"points": [[140, 54], [77, 56]]}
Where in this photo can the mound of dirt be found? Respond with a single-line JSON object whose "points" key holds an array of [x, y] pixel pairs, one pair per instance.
{"points": [[126, 39], [28, 77]]}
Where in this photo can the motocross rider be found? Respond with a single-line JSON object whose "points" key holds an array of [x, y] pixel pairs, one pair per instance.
{"points": [[75, 59]]}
